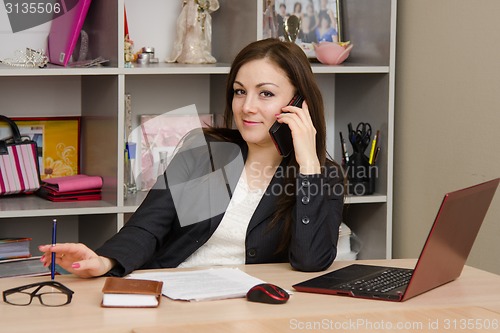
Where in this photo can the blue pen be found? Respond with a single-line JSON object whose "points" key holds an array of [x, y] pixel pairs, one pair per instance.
{"points": [[53, 263]]}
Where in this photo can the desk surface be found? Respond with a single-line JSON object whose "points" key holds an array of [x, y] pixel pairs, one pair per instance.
{"points": [[475, 295]]}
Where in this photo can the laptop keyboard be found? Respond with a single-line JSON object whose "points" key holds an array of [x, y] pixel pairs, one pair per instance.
{"points": [[386, 281]]}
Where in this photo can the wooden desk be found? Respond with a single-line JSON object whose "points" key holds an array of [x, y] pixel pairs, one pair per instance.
{"points": [[475, 295]]}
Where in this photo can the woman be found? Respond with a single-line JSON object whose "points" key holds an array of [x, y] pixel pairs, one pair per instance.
{"points": [[297, 9], [282, 209], [307, 35], [327, 29], [313, 18]]}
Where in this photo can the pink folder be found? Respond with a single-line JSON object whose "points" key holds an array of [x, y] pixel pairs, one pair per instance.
{"points": [[73, 183], [80, 195], [65, 31]]}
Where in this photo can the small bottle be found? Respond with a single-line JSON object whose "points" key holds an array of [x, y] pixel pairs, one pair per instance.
{"points": [[129, 172], [125, 173], [162, 166]]}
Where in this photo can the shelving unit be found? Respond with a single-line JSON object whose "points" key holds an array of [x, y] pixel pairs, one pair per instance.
{"points": [[362, 89]]}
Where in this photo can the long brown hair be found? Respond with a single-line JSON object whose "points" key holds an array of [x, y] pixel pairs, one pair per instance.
{"points": [[293, 61]]}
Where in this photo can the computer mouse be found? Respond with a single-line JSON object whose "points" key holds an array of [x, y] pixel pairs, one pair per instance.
{"points": [[267, 293]]}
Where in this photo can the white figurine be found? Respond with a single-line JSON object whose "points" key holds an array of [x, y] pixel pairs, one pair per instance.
{"points": [[193, 42]]}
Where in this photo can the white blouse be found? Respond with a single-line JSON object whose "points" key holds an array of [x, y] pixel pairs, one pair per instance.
{"points": [[227, 244]]}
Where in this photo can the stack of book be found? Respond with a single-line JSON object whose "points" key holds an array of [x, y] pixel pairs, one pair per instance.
{"points": [[71, 188], [23, 267], [11, 248], [16, 259]]}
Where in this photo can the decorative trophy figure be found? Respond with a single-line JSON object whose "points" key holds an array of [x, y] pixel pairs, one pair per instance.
{"points": [[193, 42], [292, 28]]}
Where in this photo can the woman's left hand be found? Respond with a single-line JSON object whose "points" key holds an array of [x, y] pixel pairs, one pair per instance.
{"points": [[304, 137]]}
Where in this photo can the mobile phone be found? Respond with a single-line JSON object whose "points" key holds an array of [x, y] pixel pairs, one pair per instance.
{"points": [[281, 134]]}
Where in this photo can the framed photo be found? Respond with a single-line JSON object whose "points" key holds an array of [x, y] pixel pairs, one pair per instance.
{"points": [[58, 143], [320, 21], [160, 135]]}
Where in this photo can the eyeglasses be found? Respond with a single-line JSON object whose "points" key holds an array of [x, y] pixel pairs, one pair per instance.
{"points": [[49, 293]]}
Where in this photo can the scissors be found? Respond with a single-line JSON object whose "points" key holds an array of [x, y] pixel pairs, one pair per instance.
{"points": [[364, 133], [361, 137]]}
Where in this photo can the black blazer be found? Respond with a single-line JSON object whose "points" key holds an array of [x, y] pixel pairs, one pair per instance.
{"points": [[159, 236]]}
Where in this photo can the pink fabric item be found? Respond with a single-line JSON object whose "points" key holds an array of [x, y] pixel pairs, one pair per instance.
{"points": [[18, 171], [74, 183]]}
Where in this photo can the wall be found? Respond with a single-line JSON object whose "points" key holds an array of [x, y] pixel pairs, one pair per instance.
{"points": [[35, 38], [447, 117]]}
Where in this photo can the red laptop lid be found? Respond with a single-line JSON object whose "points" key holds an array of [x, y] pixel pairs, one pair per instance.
{"points": [[451, 238]]}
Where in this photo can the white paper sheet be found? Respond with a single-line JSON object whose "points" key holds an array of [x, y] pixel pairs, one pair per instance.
{"points": [[203, 285]]}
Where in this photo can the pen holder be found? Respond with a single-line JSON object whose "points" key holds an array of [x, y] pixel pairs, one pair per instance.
{"points": [[360, 175]]}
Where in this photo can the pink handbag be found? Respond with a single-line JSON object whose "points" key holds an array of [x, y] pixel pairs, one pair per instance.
{"points": [[19, 171]]}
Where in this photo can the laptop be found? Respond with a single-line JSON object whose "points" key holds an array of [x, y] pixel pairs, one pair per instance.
{"points": [[442, 258]]}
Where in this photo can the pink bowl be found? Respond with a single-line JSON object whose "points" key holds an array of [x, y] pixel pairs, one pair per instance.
{"points": [[331, 53]]}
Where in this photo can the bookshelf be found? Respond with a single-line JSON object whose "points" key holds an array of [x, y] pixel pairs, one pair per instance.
{"points": [[361, 89]]}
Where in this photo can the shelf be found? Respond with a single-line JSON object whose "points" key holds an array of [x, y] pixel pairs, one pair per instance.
{"points": [[169, 69], [348, 68], [33, 206], [374, 198], [222, 68], [174, 68], [133, 201], [53, 70]]}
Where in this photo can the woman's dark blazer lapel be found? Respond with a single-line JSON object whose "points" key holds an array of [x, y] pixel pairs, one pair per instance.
{"points": [[267, 205]]}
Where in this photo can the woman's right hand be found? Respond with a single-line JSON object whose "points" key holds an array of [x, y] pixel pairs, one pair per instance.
{"points": [[76, 258]]}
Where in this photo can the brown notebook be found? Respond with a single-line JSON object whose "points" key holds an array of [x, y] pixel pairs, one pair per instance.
{"points": [[123, 293]]}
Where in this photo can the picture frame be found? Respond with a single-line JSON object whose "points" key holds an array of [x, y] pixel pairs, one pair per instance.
{"points": [[58, 143], [160, 135], [320, 21]]}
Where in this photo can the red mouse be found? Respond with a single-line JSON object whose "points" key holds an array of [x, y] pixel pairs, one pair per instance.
{"points": [[267, 293]]}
